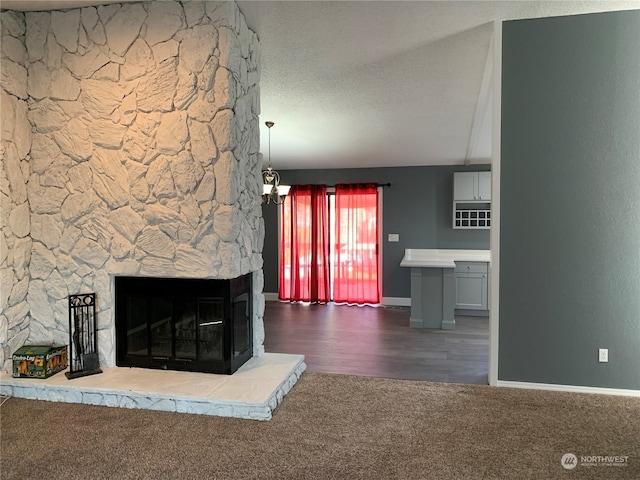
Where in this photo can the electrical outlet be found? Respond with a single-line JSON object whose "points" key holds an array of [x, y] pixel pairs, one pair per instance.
{"points": [[603, 355], [394, 237]]}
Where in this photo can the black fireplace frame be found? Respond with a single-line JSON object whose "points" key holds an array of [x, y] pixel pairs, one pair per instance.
{"points": [[185, 289]]}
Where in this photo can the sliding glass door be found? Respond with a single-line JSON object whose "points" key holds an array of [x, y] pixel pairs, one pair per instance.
{"points": [[355, 260], [304, 249], [346, 221]]}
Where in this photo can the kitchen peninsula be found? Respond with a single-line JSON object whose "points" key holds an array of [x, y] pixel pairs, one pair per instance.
{"points": [[433, 287]]}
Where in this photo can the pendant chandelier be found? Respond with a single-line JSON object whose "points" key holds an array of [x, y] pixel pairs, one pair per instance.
{"points": [[272, 191]]}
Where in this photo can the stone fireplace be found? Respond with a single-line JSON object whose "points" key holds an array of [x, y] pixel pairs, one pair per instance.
{"points": [[130, 148]]}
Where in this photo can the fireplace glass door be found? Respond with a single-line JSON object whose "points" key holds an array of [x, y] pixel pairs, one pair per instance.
{"points": [[210, 330], [178, 324]]}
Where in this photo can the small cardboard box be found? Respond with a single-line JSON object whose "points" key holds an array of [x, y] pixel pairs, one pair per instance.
{"points": [[39, 361]]}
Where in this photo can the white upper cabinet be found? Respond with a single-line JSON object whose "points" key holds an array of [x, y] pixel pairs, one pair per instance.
{"points": [[465, 186], [484, 185], [472, 186]]}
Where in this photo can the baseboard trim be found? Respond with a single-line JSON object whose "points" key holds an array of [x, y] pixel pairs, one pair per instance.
{"points": [[270, 296], [448, 324], [471, 313], [416, 323], [568, 388], [396, 301]]}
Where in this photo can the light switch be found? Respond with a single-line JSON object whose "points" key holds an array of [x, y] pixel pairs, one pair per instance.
{"points": [[394, 237], [603, 355]]}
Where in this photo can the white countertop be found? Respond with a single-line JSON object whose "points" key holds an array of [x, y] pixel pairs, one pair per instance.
{"points": [[442, 258]]}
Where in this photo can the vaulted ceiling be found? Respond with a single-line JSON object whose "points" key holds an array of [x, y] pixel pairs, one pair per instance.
{"points": [[383, 83], [377, 83]]}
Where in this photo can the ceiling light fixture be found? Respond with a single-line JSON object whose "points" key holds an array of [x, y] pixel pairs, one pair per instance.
{"points": [[272, 191]]}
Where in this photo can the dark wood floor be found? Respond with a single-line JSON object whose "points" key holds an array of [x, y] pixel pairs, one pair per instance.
{"points": [[378, 342]]}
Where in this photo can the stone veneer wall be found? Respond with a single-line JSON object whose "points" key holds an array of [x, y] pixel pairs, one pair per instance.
{"points": [[15, 235], [130, 147]]}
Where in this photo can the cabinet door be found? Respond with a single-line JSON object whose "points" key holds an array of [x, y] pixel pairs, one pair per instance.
{"points": [[471, 291], [465, 185], [484, 185]]}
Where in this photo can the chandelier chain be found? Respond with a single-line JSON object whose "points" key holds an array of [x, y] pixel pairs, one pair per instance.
{"points": [[273, 192]]}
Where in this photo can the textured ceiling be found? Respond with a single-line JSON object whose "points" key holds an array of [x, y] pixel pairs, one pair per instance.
{"points": [[377, 83]]}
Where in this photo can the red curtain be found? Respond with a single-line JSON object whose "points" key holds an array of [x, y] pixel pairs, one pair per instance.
{"points": [[304, 258], [356, 244]]}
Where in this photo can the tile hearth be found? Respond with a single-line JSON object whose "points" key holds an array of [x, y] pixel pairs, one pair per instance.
{"points": [[253, 392]]}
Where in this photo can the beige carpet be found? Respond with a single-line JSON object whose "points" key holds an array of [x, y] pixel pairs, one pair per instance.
{"points": [[333, 427]]}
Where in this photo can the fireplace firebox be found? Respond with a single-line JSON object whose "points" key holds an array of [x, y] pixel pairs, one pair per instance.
{"points": [[199, 325]]}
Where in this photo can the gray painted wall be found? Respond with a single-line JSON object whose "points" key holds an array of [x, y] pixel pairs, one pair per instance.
{"points": [[570, 201], [417, 205]]}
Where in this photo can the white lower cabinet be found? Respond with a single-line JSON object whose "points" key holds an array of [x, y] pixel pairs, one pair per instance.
{"points": [[471, 284]]}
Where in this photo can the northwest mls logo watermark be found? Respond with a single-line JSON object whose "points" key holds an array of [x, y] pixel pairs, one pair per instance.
{"points": [[569, 461]]}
